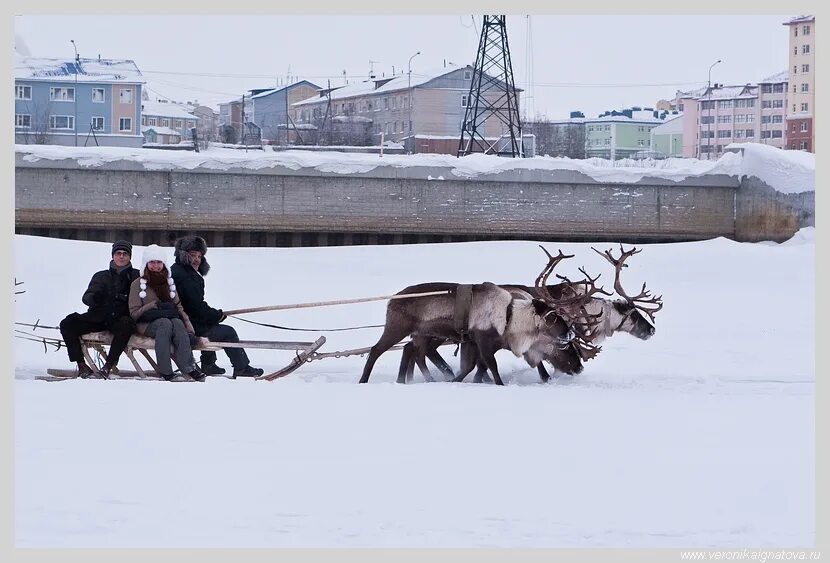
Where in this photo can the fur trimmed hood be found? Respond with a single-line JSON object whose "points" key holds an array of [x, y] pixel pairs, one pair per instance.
{"points": [[186, 244]]}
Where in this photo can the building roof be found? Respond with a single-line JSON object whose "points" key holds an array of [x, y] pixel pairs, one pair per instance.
{"points": [[160, 130], [783, 76], [102, 71], [288, 87], [672, 124], [800, 19], [167, 109], [625, 119], [385, 85]]}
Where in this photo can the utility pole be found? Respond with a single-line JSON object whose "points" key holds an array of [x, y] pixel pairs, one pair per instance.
{"points": [[492, 93], [410, 138], [709, 120], [75, 91]]}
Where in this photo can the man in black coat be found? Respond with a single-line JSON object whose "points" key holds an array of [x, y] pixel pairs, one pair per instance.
{"points": [[106, 297], [188, 272]]}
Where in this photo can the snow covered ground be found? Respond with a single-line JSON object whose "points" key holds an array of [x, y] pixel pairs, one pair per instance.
{"points": [[702, 436]]}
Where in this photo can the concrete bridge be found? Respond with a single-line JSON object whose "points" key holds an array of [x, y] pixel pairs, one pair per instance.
{"points": [[283, 207]]}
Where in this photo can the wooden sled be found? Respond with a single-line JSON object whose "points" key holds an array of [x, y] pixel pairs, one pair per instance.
{"points": [[95, 341]]}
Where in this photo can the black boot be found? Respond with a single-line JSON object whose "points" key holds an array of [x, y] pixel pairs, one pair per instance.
{"points": [[84, 371], [247, 371], [212, 369], [196, 374]]}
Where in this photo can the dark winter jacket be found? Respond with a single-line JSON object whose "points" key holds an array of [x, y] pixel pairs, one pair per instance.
{"points": [[191, 288], [108, 293]]}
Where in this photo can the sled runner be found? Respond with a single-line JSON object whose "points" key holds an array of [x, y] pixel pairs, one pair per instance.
{"points": [[95, 342]]}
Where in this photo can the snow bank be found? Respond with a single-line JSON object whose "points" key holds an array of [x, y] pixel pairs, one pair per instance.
{"points": [[786, 171]]}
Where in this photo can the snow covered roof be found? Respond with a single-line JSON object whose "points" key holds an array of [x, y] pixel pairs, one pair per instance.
{"points": [[731, 92], [288, 87], [393, 84], [160, 130], [624, 118], [800, 19], [166, 109], [101, 71], [351, 119], [782, 76]]}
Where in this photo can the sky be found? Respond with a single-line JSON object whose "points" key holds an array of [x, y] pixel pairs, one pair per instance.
{"points": [[571, 63]]}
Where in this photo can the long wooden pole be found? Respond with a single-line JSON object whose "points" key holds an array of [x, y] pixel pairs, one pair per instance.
{"points": [[326, 303]]}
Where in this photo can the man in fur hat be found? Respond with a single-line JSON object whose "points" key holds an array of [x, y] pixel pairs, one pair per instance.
{"points": [[107, 298], [188, 271]]}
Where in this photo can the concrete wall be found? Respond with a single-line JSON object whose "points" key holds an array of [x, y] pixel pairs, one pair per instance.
{"points": [[531, 204], [761, 213]]}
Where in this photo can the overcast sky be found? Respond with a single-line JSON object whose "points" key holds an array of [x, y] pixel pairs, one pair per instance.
{"points": [[587, 63]]}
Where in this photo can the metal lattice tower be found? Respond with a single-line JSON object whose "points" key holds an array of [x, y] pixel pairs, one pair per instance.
{"points": [[492, 94]]}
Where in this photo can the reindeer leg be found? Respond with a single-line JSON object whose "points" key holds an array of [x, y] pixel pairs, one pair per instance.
{"points": [[407, 363], [543, 373], [388, 339], [437, 360], [489, 342], [422, 365], [469, 356], [481, 373]]}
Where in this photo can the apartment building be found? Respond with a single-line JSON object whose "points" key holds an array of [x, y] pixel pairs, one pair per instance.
{"points": [[77, 102], [401, 107], [801, 103], [772, 100], [166, 122], [620, 134]]}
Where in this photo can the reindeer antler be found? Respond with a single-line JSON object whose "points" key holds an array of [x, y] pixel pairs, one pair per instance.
{"points": [[644, 300]]}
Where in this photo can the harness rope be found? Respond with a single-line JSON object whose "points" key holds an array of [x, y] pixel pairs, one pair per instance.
{"points": [[306, 329]]}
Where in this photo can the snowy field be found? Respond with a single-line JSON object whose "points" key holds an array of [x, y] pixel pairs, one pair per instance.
{"points": [[702, 436]]}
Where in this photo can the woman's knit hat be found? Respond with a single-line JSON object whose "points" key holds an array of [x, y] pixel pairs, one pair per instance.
{"points": [[154, 252]]}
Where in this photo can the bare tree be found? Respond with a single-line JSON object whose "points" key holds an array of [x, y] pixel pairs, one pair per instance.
{"points": [[38, 132]]}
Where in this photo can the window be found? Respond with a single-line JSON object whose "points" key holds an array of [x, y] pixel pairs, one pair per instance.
{"points": [[62, 94], [464, 101], [388, 128], [766, 104], [125, 96], [641, 143], [98, 123], [795, 50], [468, 75], [750, 118], [165, 122], [125, 123], [778, 104], [745, 103], [706, 119], [23, 120], [395, 127], [804, 145], [765, 118], [794, 89], [707, 134], [795, 31], [795, 69], [750, 133], [766, 88], [804, 127], [777, 118], [725, 104], [739, 133], [22, 92], [724, 119], [405, 101], [724, 134], [778, 89], [61, 122], [806, 30], [765, 134], [793, 108], [805, 49], [151, 120], [805, 87], [680, 107], [177, 124], [804, 107], [98, 95], [805, 68], [385, 103], [741, 118], [410, 126], [777, 134], [607, 141], [607, 127]]}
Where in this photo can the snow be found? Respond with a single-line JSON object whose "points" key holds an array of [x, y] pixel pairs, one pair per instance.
{"points": [[167, 109], [786, 171], [91, 70], [782, 76], [702, 436], [160, 130]]}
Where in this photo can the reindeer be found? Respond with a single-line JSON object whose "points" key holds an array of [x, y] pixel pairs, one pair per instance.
{"points": [[497, 319], [619, 315]]}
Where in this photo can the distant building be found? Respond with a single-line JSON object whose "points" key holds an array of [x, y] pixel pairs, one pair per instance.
{"points": [[801, 106], [270, 109], [616, 135], [168, 116], [667, 138], [772, 98], [62, 102], [422, 110], [559, 138]]}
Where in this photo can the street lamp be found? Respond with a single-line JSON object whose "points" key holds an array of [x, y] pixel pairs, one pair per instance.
{"points": [[75, 92], [709, 103], [409, 102]]}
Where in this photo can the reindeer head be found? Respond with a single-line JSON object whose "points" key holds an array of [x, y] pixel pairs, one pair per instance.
{"points": [[630, 311], [570, 305]]}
